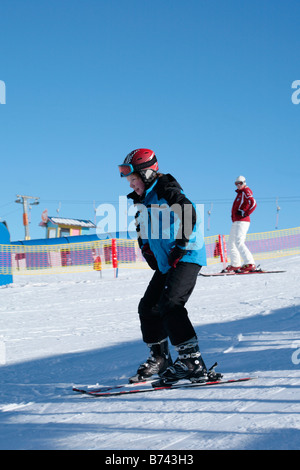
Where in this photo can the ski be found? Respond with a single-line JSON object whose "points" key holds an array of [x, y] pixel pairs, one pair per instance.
{"points": [[238, 274], [138, 388], [91, 389]]}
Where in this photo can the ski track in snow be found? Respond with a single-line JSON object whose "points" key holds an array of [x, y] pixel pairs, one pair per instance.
{"points": [[57, 331]]}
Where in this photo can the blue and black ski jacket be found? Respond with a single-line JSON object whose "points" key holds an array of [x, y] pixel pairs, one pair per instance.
{"points": [[165, 218]]}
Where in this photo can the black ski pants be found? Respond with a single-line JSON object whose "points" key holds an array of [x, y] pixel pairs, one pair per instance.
{"points": [[162, 309]]}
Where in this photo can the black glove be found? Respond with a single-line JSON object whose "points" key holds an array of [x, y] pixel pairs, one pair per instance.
{"points": [[149, 257], [175, 255], [240, 213]]}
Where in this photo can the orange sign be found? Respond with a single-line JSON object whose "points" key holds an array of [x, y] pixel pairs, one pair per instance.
{"points": [[45, 216]]}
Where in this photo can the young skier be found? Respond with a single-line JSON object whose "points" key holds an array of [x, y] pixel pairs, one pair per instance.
{"points": [[176, 252], [243, 205]]}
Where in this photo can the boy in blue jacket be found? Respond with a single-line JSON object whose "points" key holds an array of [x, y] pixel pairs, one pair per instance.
{"points": [[172, 243]]}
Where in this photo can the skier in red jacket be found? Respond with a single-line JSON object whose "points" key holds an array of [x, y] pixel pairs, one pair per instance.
{"points": [[243, 205]]}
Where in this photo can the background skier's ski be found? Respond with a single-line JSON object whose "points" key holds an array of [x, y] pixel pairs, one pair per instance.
{"points": [[237, 273]]}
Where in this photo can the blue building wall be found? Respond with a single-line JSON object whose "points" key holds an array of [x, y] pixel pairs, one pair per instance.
{"points": [[75, 239], [73, 257], [5, 258]]}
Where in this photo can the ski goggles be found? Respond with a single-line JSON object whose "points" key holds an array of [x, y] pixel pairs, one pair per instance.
{"points": [[126, 169]]}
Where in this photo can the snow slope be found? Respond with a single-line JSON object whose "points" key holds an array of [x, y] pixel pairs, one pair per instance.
{"points": [[56, 331]]}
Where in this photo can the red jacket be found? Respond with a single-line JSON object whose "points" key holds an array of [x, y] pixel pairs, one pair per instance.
{"points": [[245, 202]]}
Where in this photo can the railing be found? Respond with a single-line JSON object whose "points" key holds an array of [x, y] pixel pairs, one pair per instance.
{"points": [[116, 253]]}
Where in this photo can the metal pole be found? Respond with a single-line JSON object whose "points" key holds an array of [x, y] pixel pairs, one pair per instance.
{"points": [[24, 200]]}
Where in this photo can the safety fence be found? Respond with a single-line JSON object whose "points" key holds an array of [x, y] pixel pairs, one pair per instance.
{"points": [[263, 245], [116, 253], [70, 257]]}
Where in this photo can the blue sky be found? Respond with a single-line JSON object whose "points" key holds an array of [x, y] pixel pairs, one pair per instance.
{"points": [[206, 84]]}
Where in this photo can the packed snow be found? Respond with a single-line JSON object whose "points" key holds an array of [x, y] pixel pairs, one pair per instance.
{"points": [[57, 331]]}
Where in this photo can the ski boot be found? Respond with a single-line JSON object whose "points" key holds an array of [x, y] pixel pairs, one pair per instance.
{"points": [[189, 365], [157, 362], [247, 268]]}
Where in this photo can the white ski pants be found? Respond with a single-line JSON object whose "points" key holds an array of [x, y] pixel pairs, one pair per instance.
{"points": [[236, 244]]}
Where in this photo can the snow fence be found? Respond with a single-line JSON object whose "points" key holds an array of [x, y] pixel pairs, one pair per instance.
{"points": [[98, 255]]}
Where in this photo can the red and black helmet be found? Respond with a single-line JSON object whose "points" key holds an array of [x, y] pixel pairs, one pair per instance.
{"points": [[141, 161]]}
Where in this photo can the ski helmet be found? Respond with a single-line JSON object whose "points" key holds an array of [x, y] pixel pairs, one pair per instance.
{"points": [[141, 161], [240, 179]]}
